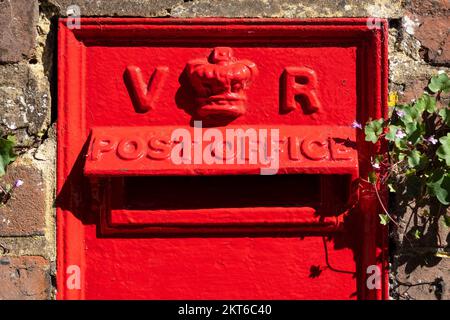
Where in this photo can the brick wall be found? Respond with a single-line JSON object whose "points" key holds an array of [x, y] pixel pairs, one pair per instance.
{"points": [[419, 47]]}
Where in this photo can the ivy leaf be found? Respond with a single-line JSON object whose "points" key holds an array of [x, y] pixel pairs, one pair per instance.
{"points": [[410, 114], [430, 103], [414, 158], [426, 102], [441, 82], [417, 234], [410, 127], [420, 104], [414, 131], [443, 152], [391, 187], [439, 185], [384, 219], [373, 130], [7, 154], [417, 160], [391, 133], [445, 115]]}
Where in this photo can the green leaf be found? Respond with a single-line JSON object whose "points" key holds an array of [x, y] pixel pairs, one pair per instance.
{"points": [[401, 144], [430, 103], [7, 154], [439, 186], [384, 219], [417, 160], [390, 135], [401, 156], [414, 131], [414, 158], [417, 234], [426, 102], [373, 130], [391, 187], [445, 115], [411, 114], [420, 104], [441, 82], [373, 177], [410, 127], [11, 138], [443, 152]]}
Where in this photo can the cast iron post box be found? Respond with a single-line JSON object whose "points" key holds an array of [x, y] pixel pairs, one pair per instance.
{"points": [[216, 159]]}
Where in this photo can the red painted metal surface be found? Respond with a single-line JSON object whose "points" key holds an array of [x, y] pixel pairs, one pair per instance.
{"points": [[118, 151], [153, 206]]}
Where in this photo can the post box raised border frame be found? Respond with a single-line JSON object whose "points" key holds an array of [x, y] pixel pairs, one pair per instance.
{"points": [[372, 59]]}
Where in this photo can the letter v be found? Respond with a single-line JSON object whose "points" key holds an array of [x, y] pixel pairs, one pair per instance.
{"points": [[142, 95]]}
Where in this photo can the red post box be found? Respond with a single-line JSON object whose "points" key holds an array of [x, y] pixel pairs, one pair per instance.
{"points": [[216, 159]]}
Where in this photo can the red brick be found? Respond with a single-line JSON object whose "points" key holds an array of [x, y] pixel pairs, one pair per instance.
{"points": [[433, 34], [413, 89], [24, 278], [18, 20], [24, 213], [429, 7]]}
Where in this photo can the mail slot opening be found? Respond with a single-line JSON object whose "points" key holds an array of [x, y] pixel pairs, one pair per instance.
{"points": [[230, 191]]}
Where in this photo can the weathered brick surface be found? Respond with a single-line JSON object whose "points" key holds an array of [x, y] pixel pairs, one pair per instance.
{"points": [[24, 278], [434, 35], [428, 7], [233, 8], [413, 89], [25, 102], [288, 8], [24, 213], [431, 28], [18, 20], [141, 8]]}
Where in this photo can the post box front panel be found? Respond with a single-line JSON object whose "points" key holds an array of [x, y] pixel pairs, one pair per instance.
{"points": [[141, 215], [334, 64]]}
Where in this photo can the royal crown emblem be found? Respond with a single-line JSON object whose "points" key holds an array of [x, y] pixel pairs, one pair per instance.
{"points": [[219, 83]]}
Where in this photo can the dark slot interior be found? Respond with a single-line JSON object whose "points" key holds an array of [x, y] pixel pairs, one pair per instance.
{"points": [[232, 191]]}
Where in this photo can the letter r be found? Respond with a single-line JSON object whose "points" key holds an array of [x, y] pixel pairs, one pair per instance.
{"points": [[299, 86]]}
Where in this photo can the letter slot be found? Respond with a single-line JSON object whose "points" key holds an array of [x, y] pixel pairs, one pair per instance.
{"points": [[142, 190]]}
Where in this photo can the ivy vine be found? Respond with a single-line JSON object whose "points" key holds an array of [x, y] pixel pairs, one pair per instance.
{"points": [[417, 135]]}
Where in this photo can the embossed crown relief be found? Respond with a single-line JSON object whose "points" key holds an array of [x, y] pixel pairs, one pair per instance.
{"points": [[219, 83], [214, 89]]}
